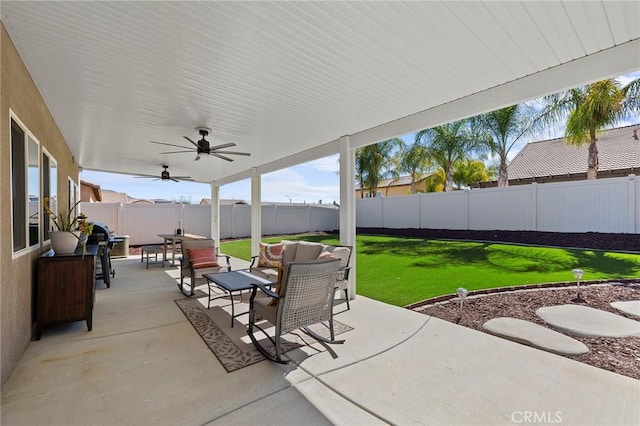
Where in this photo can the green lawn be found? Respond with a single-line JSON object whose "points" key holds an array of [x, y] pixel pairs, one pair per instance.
{"points": [[401, 271]]}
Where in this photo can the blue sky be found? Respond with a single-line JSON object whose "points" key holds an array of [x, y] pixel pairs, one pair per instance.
{"points": [[309, 182]]}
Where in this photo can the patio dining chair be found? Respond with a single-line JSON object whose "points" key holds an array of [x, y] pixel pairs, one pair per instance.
{"points": [[200, 257], [305, 298]]}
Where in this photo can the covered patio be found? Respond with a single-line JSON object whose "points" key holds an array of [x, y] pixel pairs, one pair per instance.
{"points": [[89, 85], [143, 363]]}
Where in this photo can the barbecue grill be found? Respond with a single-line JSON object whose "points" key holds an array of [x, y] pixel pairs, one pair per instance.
{"points": [[102, 237]]}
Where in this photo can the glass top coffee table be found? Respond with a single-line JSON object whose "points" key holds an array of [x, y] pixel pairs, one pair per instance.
{"points": [[230, 282]]}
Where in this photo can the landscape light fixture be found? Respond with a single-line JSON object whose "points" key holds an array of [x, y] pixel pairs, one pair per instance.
{"points": [[578, 274]]}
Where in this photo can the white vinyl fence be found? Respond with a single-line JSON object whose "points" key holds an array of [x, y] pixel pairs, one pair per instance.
{"points": [[605, 205], [143, 222]]}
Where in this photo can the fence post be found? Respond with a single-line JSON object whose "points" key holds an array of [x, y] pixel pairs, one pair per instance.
{"points": [[534, 206], [119, 219], [631, 200], [466, 207]]}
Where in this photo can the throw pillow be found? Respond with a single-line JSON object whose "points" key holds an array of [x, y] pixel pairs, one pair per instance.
{"points": [[325, 255], [270, 255], [203, 258], [208, 252], [204, 262]]}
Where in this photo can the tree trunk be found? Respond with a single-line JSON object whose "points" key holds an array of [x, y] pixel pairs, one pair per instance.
{"points": [[448, 183], [592, 171], [503, 176]]}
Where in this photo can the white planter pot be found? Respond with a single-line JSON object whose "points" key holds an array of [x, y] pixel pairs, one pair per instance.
{"points": [[63, 241]]}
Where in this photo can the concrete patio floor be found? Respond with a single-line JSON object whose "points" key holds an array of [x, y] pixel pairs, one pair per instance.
{"points": [[144, 364]]}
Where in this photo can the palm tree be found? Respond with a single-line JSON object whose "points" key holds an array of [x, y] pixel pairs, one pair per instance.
{"points": [[588, 110], [414, 161], [435, 181], [632, 96], [469, 171], [448, 144], [375, 163], [502, 129]]}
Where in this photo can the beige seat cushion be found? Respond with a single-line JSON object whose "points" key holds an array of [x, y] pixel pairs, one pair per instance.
{"points": [[342, 253], [261, 307], [306, 251]]}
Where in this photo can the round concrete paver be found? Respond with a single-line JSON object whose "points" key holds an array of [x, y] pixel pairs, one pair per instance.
{"points": [[535, 335], [631, 307], [588, 322]]}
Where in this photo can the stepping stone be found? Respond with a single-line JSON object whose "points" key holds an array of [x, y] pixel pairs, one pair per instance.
{"points": [[632, 307], [535, 335], [588, 322]]}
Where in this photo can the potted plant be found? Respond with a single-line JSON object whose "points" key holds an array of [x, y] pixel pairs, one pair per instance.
{"points": [[70, 229]]}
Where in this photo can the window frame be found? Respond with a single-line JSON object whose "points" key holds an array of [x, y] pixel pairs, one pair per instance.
{"points": [[47, 224], [27, 135]]}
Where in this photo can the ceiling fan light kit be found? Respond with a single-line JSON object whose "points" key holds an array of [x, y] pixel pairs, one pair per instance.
{"points": [[203, 147]]}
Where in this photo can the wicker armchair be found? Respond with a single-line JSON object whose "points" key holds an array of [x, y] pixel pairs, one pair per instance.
{"points": [[196, 267], [305, 298]]}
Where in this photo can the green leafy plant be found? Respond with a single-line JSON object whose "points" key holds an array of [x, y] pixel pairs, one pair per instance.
{"points": [[78, 225]]}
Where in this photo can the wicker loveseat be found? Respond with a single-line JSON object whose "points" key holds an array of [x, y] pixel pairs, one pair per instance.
{"points": [[275, 257]]}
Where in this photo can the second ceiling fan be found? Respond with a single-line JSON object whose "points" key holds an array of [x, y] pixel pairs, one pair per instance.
{"points": [[164, 175], [203, 147]]}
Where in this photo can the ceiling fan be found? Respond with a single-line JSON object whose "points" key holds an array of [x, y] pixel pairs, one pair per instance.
{"points": [[164, 175], [203, 147]]}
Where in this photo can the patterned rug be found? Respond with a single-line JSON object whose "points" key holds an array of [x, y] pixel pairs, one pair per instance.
{"points": [[231, 345]]}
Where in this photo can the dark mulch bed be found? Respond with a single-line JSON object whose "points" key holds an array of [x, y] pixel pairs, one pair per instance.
{"points": [[588, 240], [620, 355]]}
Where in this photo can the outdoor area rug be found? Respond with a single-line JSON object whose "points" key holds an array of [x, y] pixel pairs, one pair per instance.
{"points": [[232, 346]]}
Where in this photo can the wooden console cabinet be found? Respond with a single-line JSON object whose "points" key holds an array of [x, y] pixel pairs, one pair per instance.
{"points": [[66, 288]]}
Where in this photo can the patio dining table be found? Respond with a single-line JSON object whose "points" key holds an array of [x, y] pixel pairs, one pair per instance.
{"points": [[175, 239]]}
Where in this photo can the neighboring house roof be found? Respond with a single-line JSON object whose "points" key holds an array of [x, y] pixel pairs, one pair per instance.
{"points": [[399, 181], [95, 189], [223, 202], [109, 196], [555, 160]]}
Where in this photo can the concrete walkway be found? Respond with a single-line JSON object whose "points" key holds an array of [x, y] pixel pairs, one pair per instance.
{"points": [[144, 364]]}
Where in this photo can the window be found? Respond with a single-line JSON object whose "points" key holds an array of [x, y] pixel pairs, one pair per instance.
{"points": [[18, 186], [49, 191], [33, 185], [25, 187]]}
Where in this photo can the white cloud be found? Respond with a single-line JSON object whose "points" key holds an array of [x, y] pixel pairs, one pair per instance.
{"points": [[327, 164]]}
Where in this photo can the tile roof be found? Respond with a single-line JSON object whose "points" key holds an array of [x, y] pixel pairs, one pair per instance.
{"points": [[617, 150], [399, 181]]}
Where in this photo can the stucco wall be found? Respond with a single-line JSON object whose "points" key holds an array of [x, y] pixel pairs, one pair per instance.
{"points": [[17, 275]]}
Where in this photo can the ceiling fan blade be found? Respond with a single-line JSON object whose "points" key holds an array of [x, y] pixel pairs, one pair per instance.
{"points": [[177, 152], [182, 177], [189, 139], [222, 146], [144, 177], [173, 179], [233, 153], [169, 144], [221, 156]]}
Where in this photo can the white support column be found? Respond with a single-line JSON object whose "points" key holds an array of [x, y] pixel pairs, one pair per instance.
{"points": [[348, 206], [215, 213], [256, 212]]}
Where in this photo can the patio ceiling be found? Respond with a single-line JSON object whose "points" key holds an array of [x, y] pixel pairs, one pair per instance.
{"points": [[285, 80]]}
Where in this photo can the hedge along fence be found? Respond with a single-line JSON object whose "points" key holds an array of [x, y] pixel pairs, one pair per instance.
{"points": [[609, 205]]}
